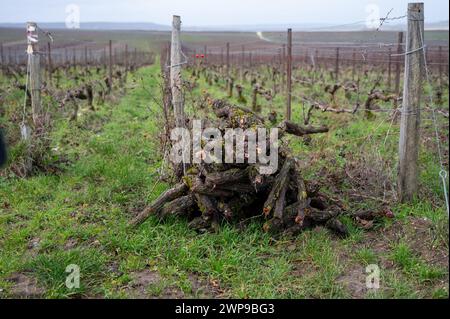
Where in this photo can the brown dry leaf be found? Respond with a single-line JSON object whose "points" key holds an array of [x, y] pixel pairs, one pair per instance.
{"points": [[366, 224]]}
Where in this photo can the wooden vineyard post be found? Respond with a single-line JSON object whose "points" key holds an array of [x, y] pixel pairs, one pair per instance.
{"points": [[410, 119], [2, 58], [440, 68], [74, 58], [228, 59], [86, 57], [307, 60], [389, 69], [227, 70], [126, 63], [283, 66], [49, 63], [316, 59], [336, 67], [110, 67], [289, 75], [280, 59], [242, 63], [105, 60], [205, 53], [175, 73], [35, 71], [353, 64], [398, 63]]}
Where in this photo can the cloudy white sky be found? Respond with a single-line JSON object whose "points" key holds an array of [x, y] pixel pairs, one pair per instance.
{"points": [[212, 12]]}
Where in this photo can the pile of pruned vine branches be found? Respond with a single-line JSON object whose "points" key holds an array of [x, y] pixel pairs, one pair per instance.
{"points": [[210, 194]]}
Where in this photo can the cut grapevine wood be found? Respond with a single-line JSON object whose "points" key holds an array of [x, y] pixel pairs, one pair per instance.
{"points": [[277, 189], [210, 194], [169, 195], [295, 129], [178, 207]]}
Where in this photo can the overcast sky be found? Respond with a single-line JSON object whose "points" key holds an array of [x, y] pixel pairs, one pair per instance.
{"points": [[213, 12]]}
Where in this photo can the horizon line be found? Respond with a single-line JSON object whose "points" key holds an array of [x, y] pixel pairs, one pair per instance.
{"points": [[210, 25]]}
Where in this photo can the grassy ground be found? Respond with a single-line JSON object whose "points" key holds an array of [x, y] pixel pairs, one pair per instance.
{"points": [[79, 216]]}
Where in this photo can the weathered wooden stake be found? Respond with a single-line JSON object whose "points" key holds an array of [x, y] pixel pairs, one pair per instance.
{"points": [[353, 64], [66, 57], [35, 71], [2, 57], [410, 120], [316, 60], [289, 75], [175, 73], [105, 60], [49, 63], [110, 67], [126, 62], [283, 67], [228, 59], [242, 64], [389, 68], [336, 67], [74, 58], [440, 68]]}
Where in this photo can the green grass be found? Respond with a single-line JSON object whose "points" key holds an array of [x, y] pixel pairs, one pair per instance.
{"points": [[366, 256], [80, 216], [413, 266]]}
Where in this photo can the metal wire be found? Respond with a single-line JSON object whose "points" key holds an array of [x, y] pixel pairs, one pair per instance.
{"points": [[411, 51], [181, 63]]}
